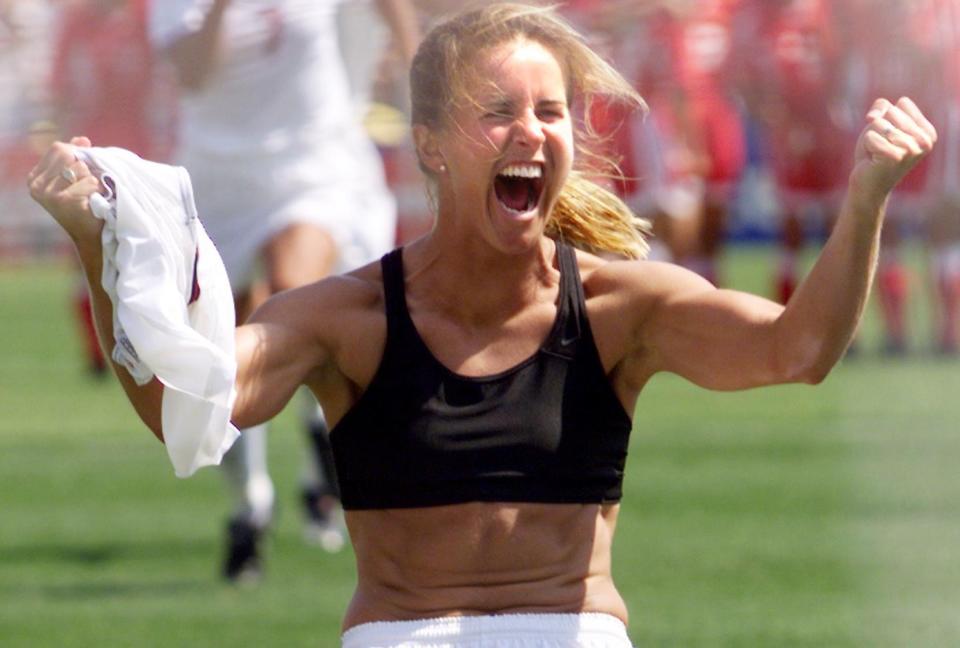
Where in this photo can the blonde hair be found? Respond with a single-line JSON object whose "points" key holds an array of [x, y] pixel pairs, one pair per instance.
{"points": [[585, 214]]}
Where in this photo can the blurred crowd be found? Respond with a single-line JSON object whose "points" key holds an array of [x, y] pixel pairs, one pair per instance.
{"points": [[754, 110], [754, 106]]}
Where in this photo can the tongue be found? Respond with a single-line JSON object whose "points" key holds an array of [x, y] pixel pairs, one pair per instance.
{"points": [[513, 192]]}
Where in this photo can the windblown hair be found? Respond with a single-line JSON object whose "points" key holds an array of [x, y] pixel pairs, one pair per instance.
{"points": [[586, 214]]}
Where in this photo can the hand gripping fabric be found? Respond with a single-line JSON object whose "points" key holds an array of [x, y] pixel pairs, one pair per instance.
{"points": [[156, 255]]}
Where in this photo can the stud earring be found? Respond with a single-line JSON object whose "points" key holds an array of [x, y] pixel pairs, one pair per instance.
{"points": [[443, 168]]}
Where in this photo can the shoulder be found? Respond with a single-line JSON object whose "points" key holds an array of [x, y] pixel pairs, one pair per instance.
{"points": [[629, 302], [352, 289], [330, 304], [340, 319], [637, 281]]}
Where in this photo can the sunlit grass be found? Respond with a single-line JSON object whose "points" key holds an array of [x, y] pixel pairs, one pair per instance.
{"points": [[796, 515]]}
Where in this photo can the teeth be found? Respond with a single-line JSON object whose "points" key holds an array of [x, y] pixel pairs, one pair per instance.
{"points": [[522, 171]]}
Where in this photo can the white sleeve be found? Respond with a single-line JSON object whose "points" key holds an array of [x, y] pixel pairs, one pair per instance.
{"points": [[170, 20]]}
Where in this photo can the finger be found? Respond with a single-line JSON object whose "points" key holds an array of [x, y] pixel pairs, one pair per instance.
{"points": [[905, 132], [66, 177], [62, 176], [68, 174], [85, 187], [878, 109], [80, 170], [47, 160], [58, 156], [907, 105], [92, 184], [882, 149], [81, 141], [884, 128]]}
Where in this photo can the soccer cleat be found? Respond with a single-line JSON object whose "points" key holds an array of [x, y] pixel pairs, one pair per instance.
{"points": [[243, 563]]}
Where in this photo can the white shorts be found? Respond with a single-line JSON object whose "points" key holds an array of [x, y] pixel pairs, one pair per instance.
{"points": [[339, 186], [586, 630]]}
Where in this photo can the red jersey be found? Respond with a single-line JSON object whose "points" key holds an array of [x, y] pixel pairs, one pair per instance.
{"points": [[686, 77]]}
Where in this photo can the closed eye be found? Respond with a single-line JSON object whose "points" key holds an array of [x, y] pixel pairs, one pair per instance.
{"points": [[552, 111], [499, 110], [551, 115]]}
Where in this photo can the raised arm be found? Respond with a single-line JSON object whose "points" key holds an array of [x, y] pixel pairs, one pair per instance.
{"points": [[401, 17], [196, 55], [724, 339], [63, 186], [276, 353]]}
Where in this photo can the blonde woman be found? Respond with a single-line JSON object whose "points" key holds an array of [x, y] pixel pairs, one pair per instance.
{"points": [[481, 380]]}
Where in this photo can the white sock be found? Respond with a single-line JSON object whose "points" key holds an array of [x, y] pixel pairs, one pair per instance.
{"points": [[248, 479]]}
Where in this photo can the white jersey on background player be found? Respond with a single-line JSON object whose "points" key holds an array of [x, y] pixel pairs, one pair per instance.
{"points": [[271, 140]]}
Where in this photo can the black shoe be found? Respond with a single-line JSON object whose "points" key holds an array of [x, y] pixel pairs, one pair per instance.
{"points": [[244, 547]]}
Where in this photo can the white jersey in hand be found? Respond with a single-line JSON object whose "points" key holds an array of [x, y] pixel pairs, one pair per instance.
{"points": [[173, 308]]}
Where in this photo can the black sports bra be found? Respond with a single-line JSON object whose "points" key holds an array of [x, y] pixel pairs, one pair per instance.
{"points": [[550, 429]]}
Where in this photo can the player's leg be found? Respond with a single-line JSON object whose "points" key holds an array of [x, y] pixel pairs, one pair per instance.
{"points": [[299, 254], [320, 491], [248, 483], [944, 242], [95, 361], [791, 243], [251, 489], [943, 235], [724, 137], [892, 290]]}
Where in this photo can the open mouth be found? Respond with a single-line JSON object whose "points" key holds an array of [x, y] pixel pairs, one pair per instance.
{"points": [[519, 187]]}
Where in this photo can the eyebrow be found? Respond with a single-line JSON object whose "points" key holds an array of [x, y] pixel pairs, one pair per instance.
{"points": [[503, 103], [552, 103]]}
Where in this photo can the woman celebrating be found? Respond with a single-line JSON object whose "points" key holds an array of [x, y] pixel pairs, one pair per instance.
{"points": [[481, 380]]}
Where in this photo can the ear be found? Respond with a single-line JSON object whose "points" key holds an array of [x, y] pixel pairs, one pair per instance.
{"points": [[428, 149]]}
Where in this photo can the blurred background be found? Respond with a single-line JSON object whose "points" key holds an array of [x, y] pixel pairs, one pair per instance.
{"points": [[825, 516]]}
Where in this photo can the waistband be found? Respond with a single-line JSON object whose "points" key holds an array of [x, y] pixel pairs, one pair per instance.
{"points": [[584, 630]]}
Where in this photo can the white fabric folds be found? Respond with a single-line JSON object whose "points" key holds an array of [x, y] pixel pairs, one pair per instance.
{"points": [[155, 255]]}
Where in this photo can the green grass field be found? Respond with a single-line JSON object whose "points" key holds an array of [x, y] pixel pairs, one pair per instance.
{"points": [[788, 516]]}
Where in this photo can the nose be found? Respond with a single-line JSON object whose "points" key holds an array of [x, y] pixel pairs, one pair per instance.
{"points": [[529, 129]]}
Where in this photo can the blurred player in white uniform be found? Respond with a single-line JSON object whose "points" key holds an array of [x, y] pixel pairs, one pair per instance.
{"points": [[287, 184]]}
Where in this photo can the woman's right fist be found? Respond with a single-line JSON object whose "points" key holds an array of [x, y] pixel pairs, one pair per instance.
{"points": [[63, 186]]}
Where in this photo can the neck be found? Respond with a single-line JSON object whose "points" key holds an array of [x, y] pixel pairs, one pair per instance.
{"points": [[477, 283]]}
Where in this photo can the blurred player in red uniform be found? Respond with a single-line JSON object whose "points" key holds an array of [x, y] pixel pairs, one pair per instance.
{"points": [[940, 20], [612, 29], [795, 75], [692, 98], [104, 85], [678, 165], [896, 54]]}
